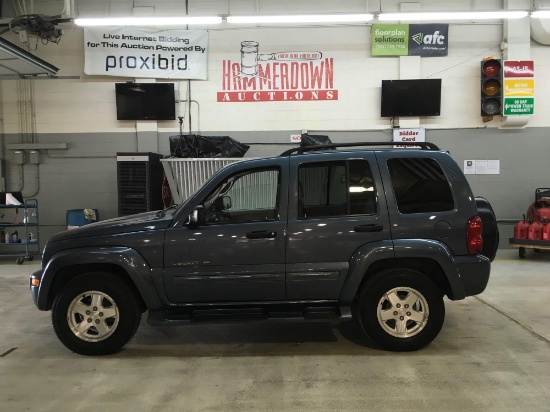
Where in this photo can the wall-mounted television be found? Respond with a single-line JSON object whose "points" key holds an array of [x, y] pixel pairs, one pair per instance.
{"points": [[145, 101], [418, 97]]}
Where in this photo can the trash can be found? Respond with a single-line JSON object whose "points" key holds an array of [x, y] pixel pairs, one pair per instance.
{"points": [[81, 217]]}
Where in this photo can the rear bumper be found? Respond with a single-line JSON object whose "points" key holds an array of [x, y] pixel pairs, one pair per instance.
{"points": [[474, 272]]}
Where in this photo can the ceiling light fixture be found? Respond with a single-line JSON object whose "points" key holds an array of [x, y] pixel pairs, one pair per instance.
{"points": [[149, 21], [305, 18], [458, 15], [541, 14]]}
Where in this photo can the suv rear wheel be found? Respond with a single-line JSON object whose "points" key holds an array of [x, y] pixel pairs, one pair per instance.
{"points": [[95, 314], [401, 309]]}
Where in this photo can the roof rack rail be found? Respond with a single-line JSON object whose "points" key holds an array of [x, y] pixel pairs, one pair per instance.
{"points": [[300, 150]]}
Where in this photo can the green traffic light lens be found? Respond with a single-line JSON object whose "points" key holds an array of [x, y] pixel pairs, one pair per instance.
{"points": [[491, 106]]}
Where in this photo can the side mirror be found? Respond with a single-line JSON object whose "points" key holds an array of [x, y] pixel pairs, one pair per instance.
{"points": [[227, 204], [196, 218]]}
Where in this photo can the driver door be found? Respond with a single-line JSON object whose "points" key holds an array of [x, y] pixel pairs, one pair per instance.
{"points": [[238, 253]]}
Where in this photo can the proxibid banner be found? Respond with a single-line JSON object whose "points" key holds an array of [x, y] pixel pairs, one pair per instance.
{"points": [[132, 52]]}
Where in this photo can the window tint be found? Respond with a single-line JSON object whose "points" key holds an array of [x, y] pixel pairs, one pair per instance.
{"points": [[335, 189], [420, 186], [245, 197]]}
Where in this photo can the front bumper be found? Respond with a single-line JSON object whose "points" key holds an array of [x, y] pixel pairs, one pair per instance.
{"points": [[35, 289]]}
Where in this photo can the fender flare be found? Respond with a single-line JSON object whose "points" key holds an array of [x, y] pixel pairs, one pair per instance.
{"points": [[126, 258], [370, 253]]}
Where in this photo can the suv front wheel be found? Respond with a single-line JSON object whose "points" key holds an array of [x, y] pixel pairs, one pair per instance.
{"points": [[95, 314], [401, 309]]}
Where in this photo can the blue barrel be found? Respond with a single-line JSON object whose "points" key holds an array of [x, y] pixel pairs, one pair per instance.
{"points": [[77, 218]]}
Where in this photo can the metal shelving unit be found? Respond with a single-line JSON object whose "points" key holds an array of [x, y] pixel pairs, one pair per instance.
{"points": [[25, 216]]}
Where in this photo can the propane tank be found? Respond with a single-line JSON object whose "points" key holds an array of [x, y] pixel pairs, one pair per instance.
{"points": [[535, 231], [546, 232], [521, 229]]}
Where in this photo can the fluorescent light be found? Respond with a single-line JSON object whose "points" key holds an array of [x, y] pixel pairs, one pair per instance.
{"points": [[149, 21], [360, 189], [459, 15], [306, 18], [541, 14]]}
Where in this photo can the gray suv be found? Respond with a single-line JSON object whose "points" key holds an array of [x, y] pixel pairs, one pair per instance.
{"points": [[333, 232]]}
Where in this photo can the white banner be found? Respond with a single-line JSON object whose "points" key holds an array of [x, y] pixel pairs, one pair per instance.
{"points": [[409, 135], [132, 52]]}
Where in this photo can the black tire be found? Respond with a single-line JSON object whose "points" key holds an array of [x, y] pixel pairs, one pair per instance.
{"points": [[112, 332], [20, 260], [394, 326], [522, 252]]}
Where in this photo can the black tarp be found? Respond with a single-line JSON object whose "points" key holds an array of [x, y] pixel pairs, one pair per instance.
{"points": [[314, 140], [206, 146]]}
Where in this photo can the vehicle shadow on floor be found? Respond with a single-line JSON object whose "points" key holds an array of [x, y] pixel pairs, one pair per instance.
{"points": [[251, 339]]}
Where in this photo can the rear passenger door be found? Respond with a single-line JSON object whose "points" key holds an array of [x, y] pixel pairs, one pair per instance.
{"points": [[336, 205]]}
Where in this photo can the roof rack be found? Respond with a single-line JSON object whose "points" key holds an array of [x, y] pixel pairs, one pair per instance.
{"points": [[300, 150]]}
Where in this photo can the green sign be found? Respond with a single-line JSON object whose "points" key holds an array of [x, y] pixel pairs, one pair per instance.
{"points": [[518, 106], [390, 39], [410, 39]]}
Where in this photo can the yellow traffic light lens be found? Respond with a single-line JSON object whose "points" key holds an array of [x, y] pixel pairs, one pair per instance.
{"points": [[491, 87]]}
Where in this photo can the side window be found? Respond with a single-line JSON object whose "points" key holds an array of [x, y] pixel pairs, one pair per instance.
{"points": [[420, 186], [245, 197], [335, 189]]}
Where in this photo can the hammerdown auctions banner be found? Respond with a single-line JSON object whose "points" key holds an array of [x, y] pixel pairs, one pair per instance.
{"points": [[132, 52]]}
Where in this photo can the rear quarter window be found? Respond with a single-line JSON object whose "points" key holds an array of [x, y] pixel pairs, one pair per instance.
{"points": [[420, 186]]}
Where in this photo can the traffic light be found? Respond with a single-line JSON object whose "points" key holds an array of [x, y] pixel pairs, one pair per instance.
{"points": [[491, 87]]}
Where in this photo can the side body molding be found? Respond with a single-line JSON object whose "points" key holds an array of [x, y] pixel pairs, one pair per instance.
{"points": [[126, 258], [370, 253]]}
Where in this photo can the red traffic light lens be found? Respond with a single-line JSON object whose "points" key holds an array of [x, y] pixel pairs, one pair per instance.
{"points": [[491, 68], [491, 87]]}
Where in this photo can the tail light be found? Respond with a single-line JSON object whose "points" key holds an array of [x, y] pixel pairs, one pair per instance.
{"points": [[473, 236]]}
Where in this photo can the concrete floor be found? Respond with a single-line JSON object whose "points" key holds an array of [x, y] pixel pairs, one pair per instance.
{"points": [[493, 354]]}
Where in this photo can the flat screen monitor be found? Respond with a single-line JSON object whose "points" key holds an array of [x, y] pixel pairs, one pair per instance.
{"points": [[145, 101], [419, 97]]}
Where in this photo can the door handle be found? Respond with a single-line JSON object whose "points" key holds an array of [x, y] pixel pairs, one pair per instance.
{"points": [[368, 228], [261, 234]]}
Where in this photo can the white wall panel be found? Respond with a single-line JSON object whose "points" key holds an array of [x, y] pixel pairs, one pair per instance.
{"points": [[88, 104]]}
